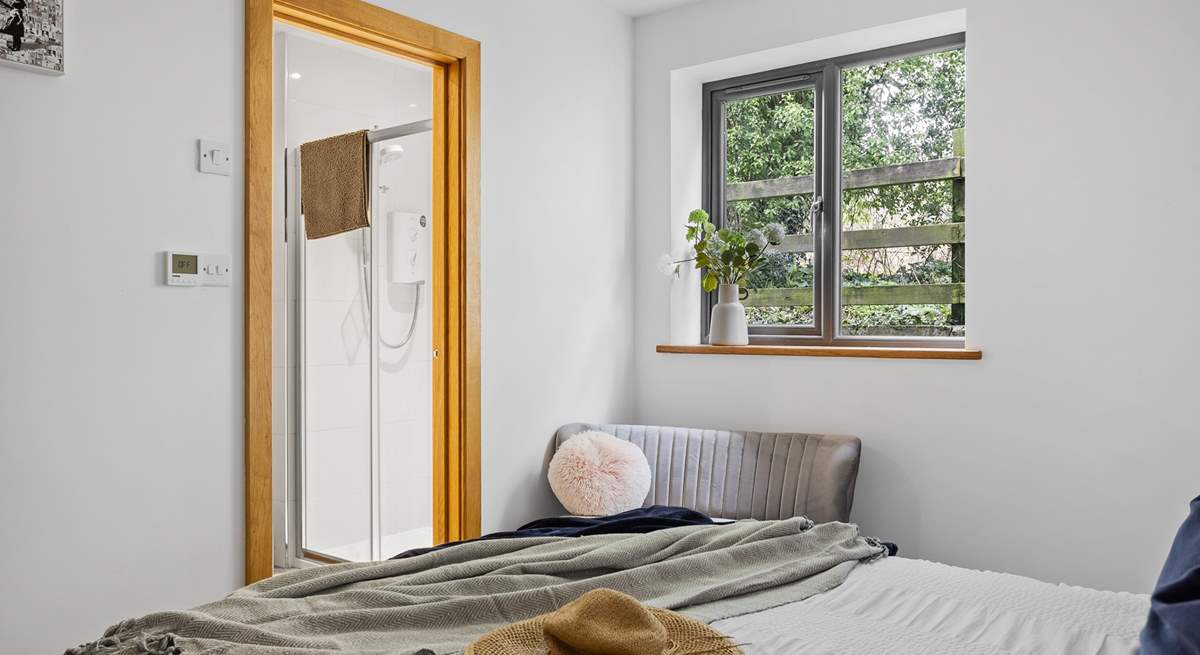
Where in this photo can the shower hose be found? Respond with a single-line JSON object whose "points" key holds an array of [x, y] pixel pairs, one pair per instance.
{"points": [[412, 323]]}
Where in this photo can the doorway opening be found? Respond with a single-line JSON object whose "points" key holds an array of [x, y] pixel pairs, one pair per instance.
{"points": [[357, 452], [362, 347]]}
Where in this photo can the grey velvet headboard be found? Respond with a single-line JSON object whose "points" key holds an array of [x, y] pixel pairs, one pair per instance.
{"points": [[736, 475]]}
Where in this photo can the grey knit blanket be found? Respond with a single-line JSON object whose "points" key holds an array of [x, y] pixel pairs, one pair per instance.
{"points": [[443, 600]]}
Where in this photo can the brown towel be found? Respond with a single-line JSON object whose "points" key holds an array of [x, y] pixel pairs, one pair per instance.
{"points": [[334, 176]]}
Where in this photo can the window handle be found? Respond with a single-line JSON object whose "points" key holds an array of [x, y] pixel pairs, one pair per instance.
{"points": [[818, 205]]}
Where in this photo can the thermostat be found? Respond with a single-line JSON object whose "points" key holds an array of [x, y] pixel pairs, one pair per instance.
{"points": [[193, 269]]}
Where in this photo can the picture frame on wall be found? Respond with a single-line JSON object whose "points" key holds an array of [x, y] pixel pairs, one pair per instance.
{"points": [[31, 35]]}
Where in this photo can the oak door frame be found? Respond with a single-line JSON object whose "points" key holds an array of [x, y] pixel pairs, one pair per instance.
{"points": [[456, 318]]}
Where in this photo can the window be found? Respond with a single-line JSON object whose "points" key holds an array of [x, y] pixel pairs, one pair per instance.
{"points": [[861, 158]]}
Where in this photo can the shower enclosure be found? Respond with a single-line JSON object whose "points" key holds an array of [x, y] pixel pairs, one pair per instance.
{"points": [[365, 447], [359, 467]]}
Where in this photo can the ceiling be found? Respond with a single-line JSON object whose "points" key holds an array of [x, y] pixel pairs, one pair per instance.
{"points": [[637, 8]]}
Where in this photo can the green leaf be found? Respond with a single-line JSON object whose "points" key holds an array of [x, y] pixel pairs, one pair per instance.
{"points": [[710, 282]]}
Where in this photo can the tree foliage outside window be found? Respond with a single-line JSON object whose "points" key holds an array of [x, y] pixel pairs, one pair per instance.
{"points": [[768, 137], [896, 112]]}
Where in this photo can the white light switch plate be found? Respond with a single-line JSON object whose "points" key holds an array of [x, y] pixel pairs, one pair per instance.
{"points": [[214, 270], [214, 157]]}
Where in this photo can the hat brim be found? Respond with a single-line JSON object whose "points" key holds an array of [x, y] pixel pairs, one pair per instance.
{"points": [[687, 635]]}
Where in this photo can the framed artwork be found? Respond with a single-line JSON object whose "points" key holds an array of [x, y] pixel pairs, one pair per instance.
{"points": [[31, 35]]}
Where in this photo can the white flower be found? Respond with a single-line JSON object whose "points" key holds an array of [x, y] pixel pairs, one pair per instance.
{"points": [[667, 265], [757, 237], [775, 233]]}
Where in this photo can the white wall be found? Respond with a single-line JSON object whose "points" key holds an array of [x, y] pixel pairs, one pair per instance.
{"points": [[120, 399], [1069, 452]]}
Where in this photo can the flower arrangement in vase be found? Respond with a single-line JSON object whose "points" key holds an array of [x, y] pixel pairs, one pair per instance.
{"points": [[727, 257]]}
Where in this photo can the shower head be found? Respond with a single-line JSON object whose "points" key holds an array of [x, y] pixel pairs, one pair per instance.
{"points": [[391, 153]]}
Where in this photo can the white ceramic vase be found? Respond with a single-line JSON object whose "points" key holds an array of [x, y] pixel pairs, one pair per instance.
{"points": [[728, 324]]}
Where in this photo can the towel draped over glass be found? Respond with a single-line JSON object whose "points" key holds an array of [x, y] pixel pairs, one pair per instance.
{"points": [[334, 178]]}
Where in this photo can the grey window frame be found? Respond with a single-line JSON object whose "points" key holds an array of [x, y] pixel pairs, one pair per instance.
{"points": [[825, 76]]}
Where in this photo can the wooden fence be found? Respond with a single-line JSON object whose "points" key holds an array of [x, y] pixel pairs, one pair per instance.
{"points": [[952, 234]]}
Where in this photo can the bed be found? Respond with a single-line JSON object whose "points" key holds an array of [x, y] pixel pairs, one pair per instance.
{"points": [[893, 605], [906, 606], [795, 578]]}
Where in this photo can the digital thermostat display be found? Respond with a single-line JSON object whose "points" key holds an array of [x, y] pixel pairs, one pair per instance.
{"points": [[185, 264], [196, 269]]}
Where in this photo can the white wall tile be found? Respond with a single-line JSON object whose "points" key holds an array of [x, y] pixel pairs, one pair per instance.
{"points": [[279, 317], [292, 335], [337, 397], [337, 485], [337, 333], [295, 408], [279, 524], [333, 267], [406, 396], [279, 269], [293, 259], [278, 398], [279, 473], [406, 476], [309, 122], [355, 80]]}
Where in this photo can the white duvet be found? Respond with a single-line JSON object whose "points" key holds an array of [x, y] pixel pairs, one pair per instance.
{"points": [[903, 606]]}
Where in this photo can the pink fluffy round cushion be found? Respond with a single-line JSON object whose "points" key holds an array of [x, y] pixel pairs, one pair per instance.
{"points": [[597, 474]]}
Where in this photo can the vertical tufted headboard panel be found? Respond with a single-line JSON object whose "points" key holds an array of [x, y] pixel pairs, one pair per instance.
{"points": [[736, 475]]}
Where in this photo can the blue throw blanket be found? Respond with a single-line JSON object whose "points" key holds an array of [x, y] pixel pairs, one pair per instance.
{"points": [[635, 521], [1174, 623]]}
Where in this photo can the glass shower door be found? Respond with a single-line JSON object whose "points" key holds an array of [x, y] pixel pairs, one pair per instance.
{"points": [[367, 432], [336, 391], [402, 212]]}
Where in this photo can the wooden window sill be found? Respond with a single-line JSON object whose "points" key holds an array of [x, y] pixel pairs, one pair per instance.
{"points": [[827, 351]]}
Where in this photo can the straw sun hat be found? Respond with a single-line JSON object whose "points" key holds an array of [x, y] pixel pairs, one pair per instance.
{"points": [[605, 622]]}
